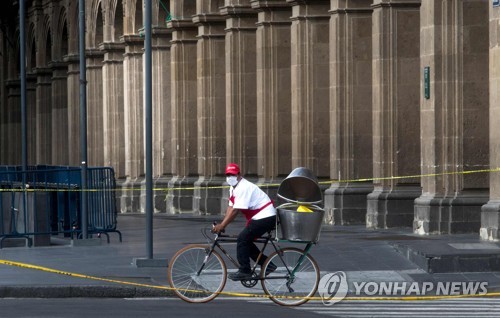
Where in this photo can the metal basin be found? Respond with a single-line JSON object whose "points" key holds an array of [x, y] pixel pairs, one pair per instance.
{"points": [[300, 226]]}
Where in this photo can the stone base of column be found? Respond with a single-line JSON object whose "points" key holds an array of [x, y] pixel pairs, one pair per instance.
{"points": [[160, 191], [159, 196], [180, 198], [345, 204], [208, 193], [388, 208], [490, 221], [449, 215], [130, 195]]}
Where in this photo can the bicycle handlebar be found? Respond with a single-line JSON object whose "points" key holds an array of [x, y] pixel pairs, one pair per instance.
{"points": [[214, 224], [216, 235]]}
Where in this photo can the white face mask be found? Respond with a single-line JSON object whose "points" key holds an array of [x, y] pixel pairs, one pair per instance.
{"points": [[232, 180]]}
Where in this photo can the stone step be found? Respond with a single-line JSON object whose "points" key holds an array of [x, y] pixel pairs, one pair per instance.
{"points": [[447, 257]]}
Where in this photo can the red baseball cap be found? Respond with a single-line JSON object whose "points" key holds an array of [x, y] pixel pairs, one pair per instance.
{"points": [[232, 168]]}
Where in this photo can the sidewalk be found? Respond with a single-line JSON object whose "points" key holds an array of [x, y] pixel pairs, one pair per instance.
{"points": [[364, 255]]}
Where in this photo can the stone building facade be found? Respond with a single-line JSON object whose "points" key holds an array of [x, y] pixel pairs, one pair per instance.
{"points": [[389, 102]]}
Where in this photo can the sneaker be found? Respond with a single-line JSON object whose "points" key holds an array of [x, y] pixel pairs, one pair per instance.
{"points": [[239, 275], [270, 268]]}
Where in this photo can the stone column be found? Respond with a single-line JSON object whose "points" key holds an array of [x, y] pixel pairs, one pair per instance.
{"points": [[3, 101], [350, 111], [59, 112], [95, 123], [31, 117], [396, 142], [490, 212], [454, 132], [274, 132], [211, 107], [113, 116], [184, 106], [44, 116], [310, 85], [73, 109], [162, 120], [241, 92], [133, 123], [113, 111], [12, 122]]}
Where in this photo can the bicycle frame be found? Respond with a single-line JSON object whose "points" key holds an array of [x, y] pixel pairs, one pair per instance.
{"points": [[289, 275], [265, 240]]}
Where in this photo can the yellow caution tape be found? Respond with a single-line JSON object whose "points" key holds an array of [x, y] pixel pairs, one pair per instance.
{"points": [[263, 185], [234, 294], [60, 272]]}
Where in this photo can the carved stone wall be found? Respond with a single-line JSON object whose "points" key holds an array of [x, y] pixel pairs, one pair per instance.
{"points": [[387, 101]]}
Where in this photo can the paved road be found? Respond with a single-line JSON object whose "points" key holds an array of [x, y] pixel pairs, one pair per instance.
{"points": [[243, 307], [478, 307], [143, 307]]}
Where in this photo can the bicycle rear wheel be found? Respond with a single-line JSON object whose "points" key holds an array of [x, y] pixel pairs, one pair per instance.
{"points": [[184, 278], [284, 289]]}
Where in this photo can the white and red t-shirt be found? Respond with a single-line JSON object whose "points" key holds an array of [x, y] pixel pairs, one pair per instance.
{"points": [[251, 200]]}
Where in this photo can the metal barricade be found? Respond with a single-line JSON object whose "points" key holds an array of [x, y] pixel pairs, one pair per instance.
{"points": [[101, 207], [45, 200]]}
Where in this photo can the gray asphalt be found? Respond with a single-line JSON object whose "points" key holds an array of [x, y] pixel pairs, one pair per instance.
{"points": [[69, 269]]}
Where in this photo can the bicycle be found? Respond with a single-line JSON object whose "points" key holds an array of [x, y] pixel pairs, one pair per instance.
{"points": [[198, 273]]}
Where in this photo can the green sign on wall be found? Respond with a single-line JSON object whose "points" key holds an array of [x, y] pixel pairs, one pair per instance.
{"points": [[427, 82]]}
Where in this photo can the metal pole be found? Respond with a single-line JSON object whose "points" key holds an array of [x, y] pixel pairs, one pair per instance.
{"points": [[149, 131], [22, 44], [83, 118], [24, 134]]}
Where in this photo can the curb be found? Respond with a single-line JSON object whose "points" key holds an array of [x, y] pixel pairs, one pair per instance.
{"points": [[89, 291], [77, 291]]}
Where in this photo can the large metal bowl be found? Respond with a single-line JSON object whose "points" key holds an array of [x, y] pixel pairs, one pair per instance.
{"points": [[301, 187]]}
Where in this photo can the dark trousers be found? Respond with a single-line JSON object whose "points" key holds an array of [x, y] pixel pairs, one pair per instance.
{"points": [[246, 248]]}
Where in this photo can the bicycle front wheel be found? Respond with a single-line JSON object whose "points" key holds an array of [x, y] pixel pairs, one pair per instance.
{"points": [[195, 276], [285, 286]]}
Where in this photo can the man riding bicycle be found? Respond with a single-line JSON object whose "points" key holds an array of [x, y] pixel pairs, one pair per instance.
{"points": [[260, 213]]}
